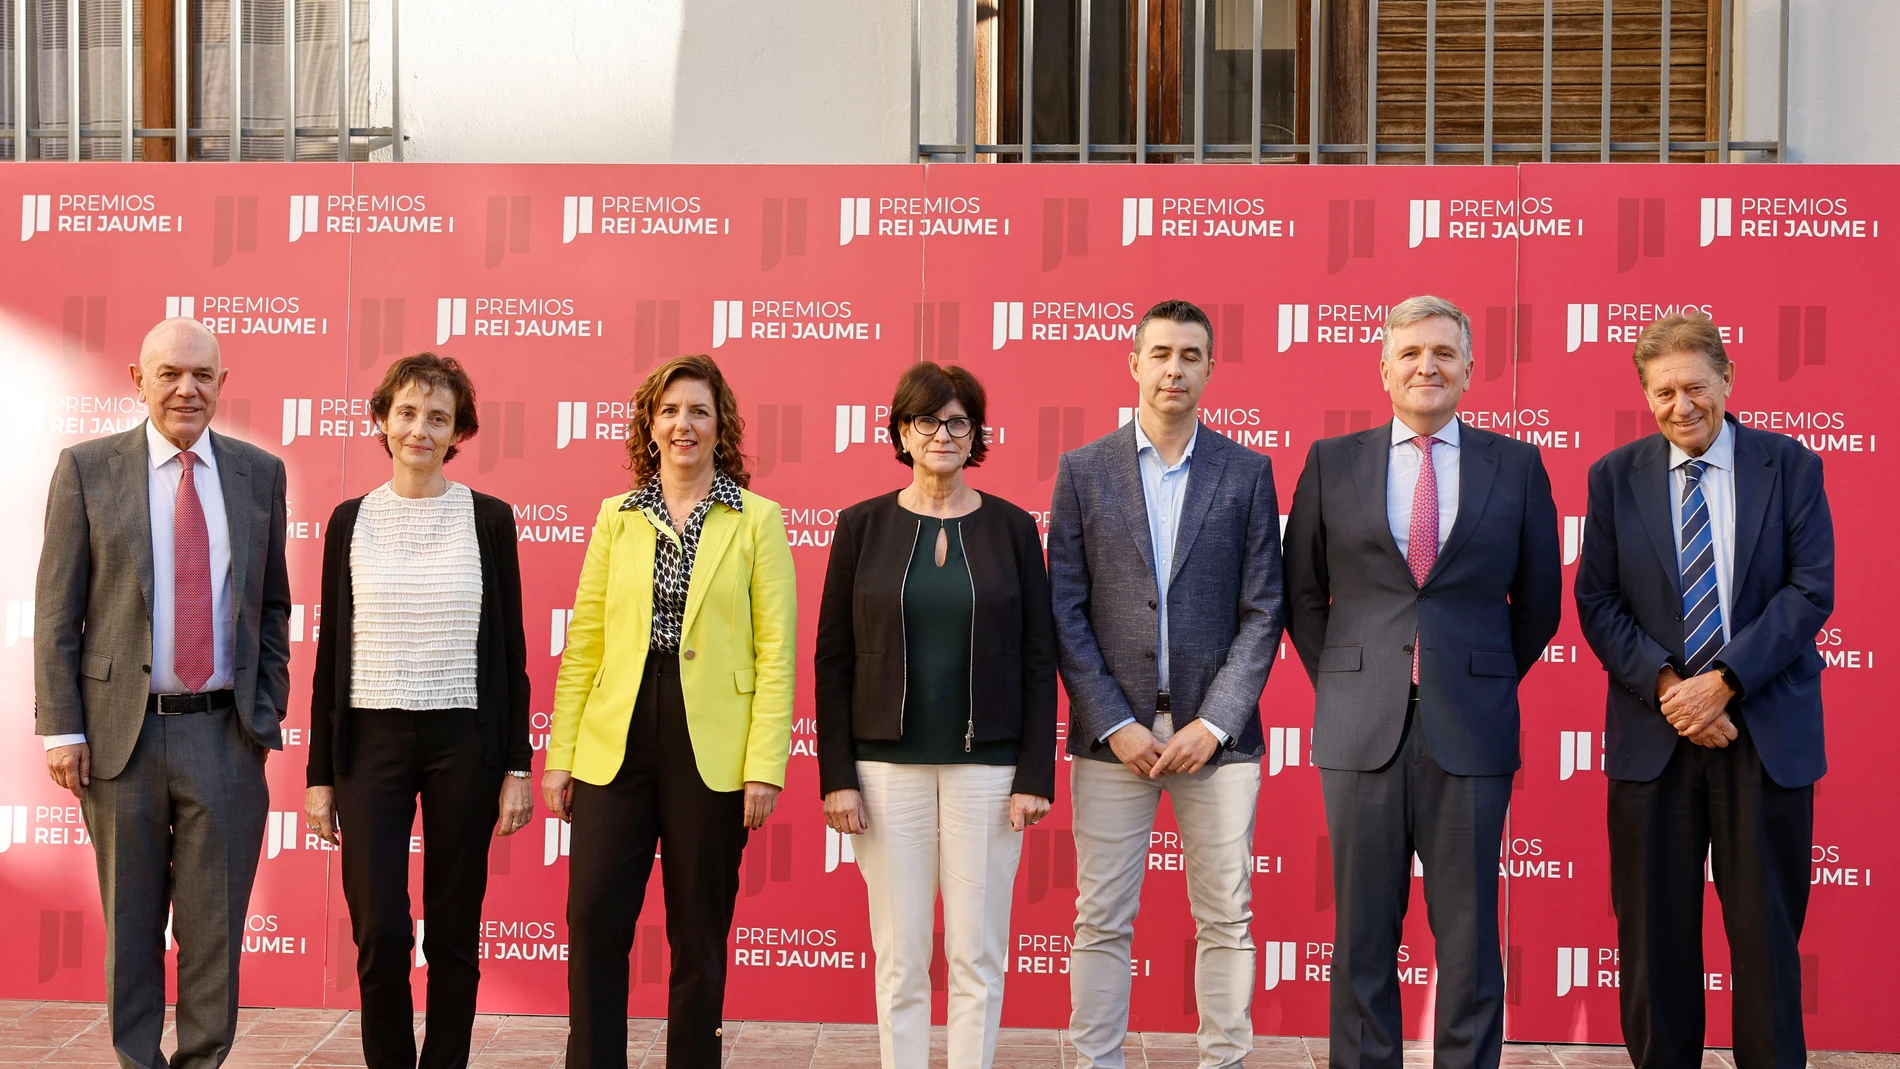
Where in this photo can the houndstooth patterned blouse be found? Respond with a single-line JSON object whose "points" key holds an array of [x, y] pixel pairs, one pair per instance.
{"points": [[674, 550]]}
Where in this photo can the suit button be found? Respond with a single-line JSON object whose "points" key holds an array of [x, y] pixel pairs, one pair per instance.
{"points": [[147, 667], [1421, 597], [1678, 617], [1407, 647], [1150, 654], [1151, 603], [688, 655]]}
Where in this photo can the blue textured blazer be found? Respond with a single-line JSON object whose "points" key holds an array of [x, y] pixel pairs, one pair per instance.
{"points": [[1629, 597], [1224, 598]]}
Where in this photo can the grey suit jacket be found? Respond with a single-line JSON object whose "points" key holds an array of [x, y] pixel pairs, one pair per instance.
{"points": [[1224, 599], [1483, 614], [92, 628]]}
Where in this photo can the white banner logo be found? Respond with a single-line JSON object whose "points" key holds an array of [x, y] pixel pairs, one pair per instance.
{"points": [[1573, 969], [303, 214], [728, 322], [296, 419], [1293, 324], [1280, 961], [1007, 323], [558, 619], [36, 214], [1138, 218], [181, 306], [1574, 750], [1580, 325], [451, 318], [854, 218], [838, 850], [1717, 218], [282, 831], [1424, 221], [19, 621], [577, 217], [12, 826], [850, 427], [1283, 749], [570, 423], [556, 841], [1573, 539]]}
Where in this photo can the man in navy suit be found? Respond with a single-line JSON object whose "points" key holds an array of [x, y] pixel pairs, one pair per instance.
{"points": [[1707, 570], [1423, 581]]}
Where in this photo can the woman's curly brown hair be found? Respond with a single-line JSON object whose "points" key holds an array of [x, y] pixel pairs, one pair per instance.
{"points": [[643, 459]]}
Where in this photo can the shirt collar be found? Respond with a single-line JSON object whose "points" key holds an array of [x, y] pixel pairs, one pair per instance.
{"points": [[1447, 435], [1719, 455], [162, 451], [649, 495], [1143, 444]]}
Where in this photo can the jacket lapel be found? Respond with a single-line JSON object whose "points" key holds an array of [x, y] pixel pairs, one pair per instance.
{"points": [[1649, 483], [715, 537], [1204, 475], [1755, 476], [130, 473], [1369, 473], [1477, 471], [234, 483], [1124, 478]]}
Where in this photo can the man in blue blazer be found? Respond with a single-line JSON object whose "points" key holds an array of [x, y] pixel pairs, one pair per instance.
{"points": [[1707, 570], [1164, 563], [1423, 581]]}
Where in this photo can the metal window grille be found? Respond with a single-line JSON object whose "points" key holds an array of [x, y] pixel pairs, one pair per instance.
{"points": [[1616, 136]]}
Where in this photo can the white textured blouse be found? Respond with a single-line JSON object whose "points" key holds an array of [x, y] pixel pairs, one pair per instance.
{"points": [[416, 583]]}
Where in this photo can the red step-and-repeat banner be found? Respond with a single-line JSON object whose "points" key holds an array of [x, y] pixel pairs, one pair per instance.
{"points": [[560, 286]]}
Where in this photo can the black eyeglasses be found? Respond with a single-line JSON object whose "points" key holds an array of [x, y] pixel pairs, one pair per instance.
{"points": [[958, 426]]}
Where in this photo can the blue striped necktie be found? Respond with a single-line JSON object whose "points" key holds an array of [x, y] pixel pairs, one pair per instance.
{"points": [[1701, 602]]}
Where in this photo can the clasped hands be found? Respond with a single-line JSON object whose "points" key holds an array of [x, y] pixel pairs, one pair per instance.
{"points": [[1697, 707]]}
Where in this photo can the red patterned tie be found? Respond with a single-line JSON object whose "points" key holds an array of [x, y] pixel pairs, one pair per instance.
{"points": [[191, 574], [1421, 549]]}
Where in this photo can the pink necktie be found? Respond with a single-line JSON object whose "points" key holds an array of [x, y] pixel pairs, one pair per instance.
{"points": [[191, 574], [1421, 548]]}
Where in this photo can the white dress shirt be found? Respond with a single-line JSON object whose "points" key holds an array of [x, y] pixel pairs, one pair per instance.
{"points": [[1164, 490], [1718, 489], [161, 489], [1401, 480]]}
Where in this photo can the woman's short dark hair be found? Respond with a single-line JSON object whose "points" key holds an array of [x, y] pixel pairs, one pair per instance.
{"points": [[926, 387], [429, 372]]}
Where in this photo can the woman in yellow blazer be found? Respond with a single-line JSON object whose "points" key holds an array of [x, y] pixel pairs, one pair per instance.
{"points": [[672, 711]]}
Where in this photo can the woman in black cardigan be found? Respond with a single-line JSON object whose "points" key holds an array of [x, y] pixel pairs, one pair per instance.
{"points": [[936, 673], [421, 691]]}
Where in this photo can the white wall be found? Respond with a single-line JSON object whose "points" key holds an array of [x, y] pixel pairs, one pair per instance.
{"points": [[828, 81], [657, 81]]}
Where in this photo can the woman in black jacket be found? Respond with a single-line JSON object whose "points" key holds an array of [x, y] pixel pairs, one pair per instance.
{"points": [[421, 690], [936, 673]]}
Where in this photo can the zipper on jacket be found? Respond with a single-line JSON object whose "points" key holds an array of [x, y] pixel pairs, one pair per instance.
{"points": [[903, 629], [969, 731]]}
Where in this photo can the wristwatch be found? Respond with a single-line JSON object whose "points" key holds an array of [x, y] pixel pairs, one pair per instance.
{"points": [[518, 775]]}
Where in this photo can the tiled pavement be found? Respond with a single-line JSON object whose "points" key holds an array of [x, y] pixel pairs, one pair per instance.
{"points": [[72, 1035]]}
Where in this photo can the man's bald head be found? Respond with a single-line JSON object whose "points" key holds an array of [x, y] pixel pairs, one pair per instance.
{"points": [[178, 376], [176, 335]]}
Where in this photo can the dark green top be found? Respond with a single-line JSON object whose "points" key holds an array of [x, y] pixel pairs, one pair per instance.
{"points": [[939, 603]]}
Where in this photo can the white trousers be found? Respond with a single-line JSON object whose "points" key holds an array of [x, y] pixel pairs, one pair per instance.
{"points": [[931, 827], [1114, 816]]}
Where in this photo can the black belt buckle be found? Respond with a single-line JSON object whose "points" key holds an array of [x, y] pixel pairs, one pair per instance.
{"points": [[1162, 703], [182, 704]]}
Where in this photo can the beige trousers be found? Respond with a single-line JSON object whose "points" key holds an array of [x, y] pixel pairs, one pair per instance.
{"points": [[931, 828]]}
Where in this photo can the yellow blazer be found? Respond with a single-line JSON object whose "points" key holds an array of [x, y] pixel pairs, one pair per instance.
{"points": [[737, 648]]}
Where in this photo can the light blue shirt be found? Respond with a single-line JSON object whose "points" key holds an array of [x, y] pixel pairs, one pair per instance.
{"points": [[1164, 490], [1718, 489], [1401, 480]]}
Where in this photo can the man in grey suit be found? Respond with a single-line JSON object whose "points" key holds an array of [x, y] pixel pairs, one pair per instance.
{"points": [[1164, 563], [161, 670], [1423, 583]]}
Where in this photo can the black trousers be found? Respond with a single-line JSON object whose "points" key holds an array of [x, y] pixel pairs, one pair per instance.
{"points": [[1376, 821], [400, 756], [1759, 837], [658, 798]]}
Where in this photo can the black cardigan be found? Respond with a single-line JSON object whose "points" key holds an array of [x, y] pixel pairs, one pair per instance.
{"points": [[860, 651], [501, 682]]}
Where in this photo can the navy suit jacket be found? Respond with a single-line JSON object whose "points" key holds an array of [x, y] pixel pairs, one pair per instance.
{"points": [[1629, 598], [1224, 599], [1483, 615]]}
